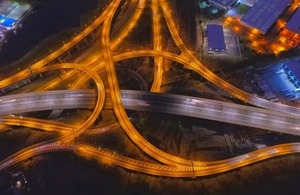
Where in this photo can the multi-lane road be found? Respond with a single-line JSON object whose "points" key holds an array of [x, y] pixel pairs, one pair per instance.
{"points": [[102, 57], [151, 102], [104, 155]]}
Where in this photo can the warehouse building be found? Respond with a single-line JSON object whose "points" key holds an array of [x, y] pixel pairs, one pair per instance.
{"points": [[292, 70], [264, 14], [215, 38]]}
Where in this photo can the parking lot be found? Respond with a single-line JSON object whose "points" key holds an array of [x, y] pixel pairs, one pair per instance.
{"points": [[232, 45]]}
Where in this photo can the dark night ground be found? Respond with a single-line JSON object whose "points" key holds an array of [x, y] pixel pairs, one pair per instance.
{"points": [[48, 19], [65, 173]]}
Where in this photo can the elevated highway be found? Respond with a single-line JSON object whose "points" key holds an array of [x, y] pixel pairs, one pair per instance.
{"points": [[154, 102], [190, 171]]}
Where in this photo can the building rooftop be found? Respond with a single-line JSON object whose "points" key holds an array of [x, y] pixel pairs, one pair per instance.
{"points": [[215, 38], [7, 22], [11, 12], [294, 67], [294, 22], [222, 3], [264, 14]]}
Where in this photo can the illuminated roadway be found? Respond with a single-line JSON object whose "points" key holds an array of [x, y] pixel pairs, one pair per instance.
{"points": [[175, 166], [100, 93], [120, 112], [66, 46], [130, 129], [222, 84], [108, 157], [158, 70], [94, 58], [119, 109], [187, 171], [52, 126], [50, 100], [152, 53], [152, 102], [35, 149]]}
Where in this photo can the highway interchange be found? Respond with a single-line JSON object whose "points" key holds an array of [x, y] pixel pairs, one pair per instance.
{"points": [[270, 115]]}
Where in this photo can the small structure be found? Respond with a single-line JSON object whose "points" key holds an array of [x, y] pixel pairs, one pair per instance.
{"points": [[264, 14], [223, 4], [11, 13], [249, 3], [215, 38]]}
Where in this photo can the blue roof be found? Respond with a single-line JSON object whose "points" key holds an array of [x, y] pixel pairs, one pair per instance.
{"points": [[294, 66], [215, 37], [223, 3], [7, 22], [264, 14], [294, 22]]}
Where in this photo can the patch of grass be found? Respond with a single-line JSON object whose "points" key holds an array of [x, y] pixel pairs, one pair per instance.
{"points": [[20, 2], [242, 9]]}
